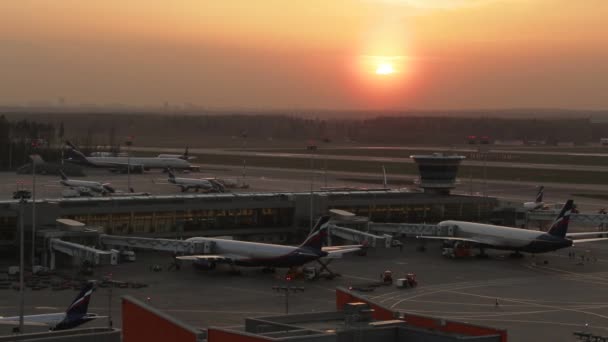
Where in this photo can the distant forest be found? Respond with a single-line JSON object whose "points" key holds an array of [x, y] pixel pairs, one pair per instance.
{"points": [[20, 138], [234, 130]]}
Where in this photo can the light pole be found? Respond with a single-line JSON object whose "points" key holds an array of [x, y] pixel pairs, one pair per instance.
{"points": [[35, 158], [312, 148], [286, 290], [22, 201], [243, 144], [110, 301], [129, 142]]}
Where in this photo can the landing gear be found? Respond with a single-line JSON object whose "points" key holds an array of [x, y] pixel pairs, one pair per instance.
{"points": [[516, 255], [234, 270], [482, 253], [324, 267], [269, 270]]}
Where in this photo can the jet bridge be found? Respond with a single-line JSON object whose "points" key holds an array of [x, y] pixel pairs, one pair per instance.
{"points": [[78, 252], [360, 237], [410, 230], [164, 245]]}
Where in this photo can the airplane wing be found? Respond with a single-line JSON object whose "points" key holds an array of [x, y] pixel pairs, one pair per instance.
{"points": [[209, 257], [449, 238], [330, 249], [577, 241], [334, 252], [35, 320], [585, 234]]}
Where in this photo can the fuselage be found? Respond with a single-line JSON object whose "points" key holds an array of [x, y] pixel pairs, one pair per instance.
{"points": [[506, 238], [262, 254], [191, 182], [533, 205], [72, 322], [96, 186], [146, 162]]}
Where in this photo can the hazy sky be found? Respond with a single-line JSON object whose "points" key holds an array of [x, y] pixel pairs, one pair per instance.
{"points": [[270, 54]]}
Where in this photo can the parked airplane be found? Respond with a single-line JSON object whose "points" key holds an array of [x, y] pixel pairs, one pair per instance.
{"points": [[254, 254], [75, 315], [516, 239], [207, 185], [184, 156], [538, 202], [98, 187], [135, 164]]}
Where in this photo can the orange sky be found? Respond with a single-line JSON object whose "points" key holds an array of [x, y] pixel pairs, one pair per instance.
{"points": [[447, 54]]}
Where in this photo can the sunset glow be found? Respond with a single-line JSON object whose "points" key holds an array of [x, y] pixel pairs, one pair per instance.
{"points": [[385, 69], [316, 54]]}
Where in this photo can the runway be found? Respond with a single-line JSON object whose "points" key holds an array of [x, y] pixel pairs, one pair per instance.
{"points": [[285, 180], [405, 159]]}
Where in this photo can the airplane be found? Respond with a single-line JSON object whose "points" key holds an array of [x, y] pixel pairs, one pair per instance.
{"points": [[517, 239], [538, 202], [270, 256], [207, 185], [98, 187], [184, 156], [133, 164], [75, 315]]}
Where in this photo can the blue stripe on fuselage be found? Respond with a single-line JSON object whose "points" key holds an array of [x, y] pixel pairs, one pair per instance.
{"points": [[546, 243], [297, 257]]}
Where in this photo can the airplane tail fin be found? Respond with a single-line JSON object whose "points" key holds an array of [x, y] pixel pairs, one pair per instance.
{"points": [[80, 305], [74, 153], [384, 181], [62, 174], [318, 234], [171, 174], [560, 225], [109, 188], [539, 195]]}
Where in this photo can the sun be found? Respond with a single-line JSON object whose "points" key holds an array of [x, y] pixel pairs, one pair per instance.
{"points": [[385, 69]]}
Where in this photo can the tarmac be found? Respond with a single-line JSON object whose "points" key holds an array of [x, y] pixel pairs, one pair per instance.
{"points": [[536, 301]]}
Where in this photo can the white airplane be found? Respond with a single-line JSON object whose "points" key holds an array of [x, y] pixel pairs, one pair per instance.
{"points": [[98, 187], [207, 185], [516, 239], [184, 156], [75, 315], [255, 254], [135, 164], [538, 202]]}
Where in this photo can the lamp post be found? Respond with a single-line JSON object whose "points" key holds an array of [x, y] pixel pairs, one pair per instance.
{"points": [[35, 159], [243, 145], [109, 277], [129, 142], [312, 148], [22, 201], [286, 289]]}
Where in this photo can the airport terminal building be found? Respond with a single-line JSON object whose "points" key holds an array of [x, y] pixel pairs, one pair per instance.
{"points": [[268, 216]]}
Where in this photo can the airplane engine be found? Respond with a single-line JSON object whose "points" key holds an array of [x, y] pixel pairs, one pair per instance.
{"points": [[204, 265]]}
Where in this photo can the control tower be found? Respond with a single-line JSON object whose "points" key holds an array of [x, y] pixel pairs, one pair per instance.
{"points": [[437, 172]]}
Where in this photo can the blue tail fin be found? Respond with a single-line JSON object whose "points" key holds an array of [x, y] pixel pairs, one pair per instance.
{"points": [[74, 153], [539, 195], [318, 234], [80, 305], [62, 174], [170, 172], [560, 225]]}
